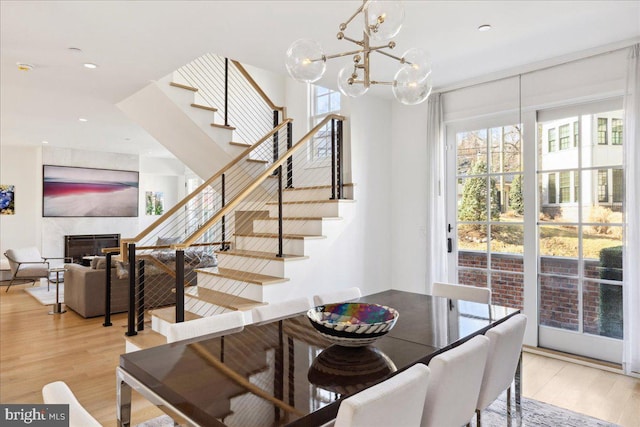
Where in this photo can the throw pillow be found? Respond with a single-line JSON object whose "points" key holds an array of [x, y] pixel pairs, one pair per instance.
{"points": [[99, 263], [122, 270]]}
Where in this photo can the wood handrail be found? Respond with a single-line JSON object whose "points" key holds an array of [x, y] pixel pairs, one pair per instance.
{"points": [[257, 87], [144, 233], [241, 196]]}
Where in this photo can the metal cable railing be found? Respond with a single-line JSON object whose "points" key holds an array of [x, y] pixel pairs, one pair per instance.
{"points": [[261, 215], [226, 86]]}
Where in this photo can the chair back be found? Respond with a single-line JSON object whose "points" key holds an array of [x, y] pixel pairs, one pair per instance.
{"points": [[463, 292], [225, 322], [280, 310], [29, 254], [396, 401], [341, 295], [454, 385], [58, 392], [505, 345]]}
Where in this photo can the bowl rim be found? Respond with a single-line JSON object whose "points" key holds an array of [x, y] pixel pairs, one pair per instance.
{"points": [[315, 309]]}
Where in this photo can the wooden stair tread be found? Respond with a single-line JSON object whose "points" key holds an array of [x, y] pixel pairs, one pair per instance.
{"points": [[243, 276], [315, 187], [232, 302], [168, 314], [181, 86], [215, 125], [147, 339], [284, 236], [258, 161], [240, 144], [204, 107], [302, 218], [262, 255], [302, 202]]}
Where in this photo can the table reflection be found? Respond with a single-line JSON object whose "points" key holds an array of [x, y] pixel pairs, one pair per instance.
{"points": [[346, 370]]}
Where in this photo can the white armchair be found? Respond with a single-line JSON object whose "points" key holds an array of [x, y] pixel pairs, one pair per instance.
{"points": [[27, 264]]}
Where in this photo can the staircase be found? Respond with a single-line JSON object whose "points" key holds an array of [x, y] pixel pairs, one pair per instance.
{"points": [[265, 213]]}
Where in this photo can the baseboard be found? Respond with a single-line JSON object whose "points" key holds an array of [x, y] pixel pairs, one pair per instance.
{"points": [[578, 360]]}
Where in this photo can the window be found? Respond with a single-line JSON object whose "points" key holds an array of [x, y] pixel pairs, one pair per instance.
{"points": [[603, 186], [552, 188], [576, 186], [552, 140], [616, 131], [576, 133], [565, 187], [602, 131], [323, 102], [565, 137], [618, 185]]}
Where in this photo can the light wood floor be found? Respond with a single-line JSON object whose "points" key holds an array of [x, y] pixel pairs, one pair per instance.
{"points": [[37, 348]]}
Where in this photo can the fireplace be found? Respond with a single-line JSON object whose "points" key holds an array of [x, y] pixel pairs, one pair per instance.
{"points": [[78, 246]]}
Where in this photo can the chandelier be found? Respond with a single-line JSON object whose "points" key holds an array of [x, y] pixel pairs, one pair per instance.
{"points": [[383, 20]]}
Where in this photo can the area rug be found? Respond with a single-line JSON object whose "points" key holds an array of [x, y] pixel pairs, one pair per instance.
{"points": [[46, 297], [534, 413]]}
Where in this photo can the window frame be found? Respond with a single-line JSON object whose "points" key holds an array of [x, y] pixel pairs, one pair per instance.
{"points": [[315, 118]]}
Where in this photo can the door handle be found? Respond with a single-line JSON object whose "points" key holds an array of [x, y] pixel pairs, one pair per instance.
{"points": [[449, 245]]}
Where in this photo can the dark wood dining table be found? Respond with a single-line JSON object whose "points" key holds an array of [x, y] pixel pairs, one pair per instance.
{"points": [[285, 373]]}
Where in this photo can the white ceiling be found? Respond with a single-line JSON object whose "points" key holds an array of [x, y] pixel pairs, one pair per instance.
{"points": [[135, 42]]}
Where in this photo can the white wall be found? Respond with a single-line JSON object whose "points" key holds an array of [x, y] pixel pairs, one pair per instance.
{"points": [[362, 254], [22, 167], [408, 197]]}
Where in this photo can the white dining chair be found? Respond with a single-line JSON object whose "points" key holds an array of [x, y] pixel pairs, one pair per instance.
{"points": [[225, 322], [463, 292], [505, 346], [396, 401], [454, 384], [58, 392], [280, 310], [341, 295]]}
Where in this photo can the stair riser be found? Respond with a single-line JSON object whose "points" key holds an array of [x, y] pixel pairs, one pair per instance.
{"points": [[265, 244], [253, 265], [306, 194], [230, 286], [312, 227], [202, 308], [306, 209]]}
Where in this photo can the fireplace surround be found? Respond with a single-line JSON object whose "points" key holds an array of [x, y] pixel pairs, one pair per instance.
{"points": [[81, 245]]}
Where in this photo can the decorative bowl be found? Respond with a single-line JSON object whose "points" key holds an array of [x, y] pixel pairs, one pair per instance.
{"points": [[352, 324], [345, 370]]}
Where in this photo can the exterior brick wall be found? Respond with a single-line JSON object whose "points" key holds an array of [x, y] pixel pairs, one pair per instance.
{"points": [[558, 287]]}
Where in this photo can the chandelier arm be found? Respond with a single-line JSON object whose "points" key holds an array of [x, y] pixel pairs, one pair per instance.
{"points": [[343, 26], [373, 82], [340, 55], [401, 60], [358, 42]]}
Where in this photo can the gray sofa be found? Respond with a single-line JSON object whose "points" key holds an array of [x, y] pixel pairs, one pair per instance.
{"points": [[84, 289]]}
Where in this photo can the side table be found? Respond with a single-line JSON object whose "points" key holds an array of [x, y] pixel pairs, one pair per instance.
{"points": [[57, 307]]}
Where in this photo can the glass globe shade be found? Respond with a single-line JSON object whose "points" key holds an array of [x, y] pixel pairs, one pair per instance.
{"points": [[350, 89], [384, 19], [305, 60], [409, 88], [418, 60]]}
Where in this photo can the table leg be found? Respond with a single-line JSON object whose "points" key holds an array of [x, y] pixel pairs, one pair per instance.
{"points": [[518, 381], [123, 403], [57, 307]]}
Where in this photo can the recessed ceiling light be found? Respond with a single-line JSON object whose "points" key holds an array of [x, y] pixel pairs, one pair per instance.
{"points": [[484, 27], [82, 119], [90, 65], [75, 49], [24, 67], [45, 142]]}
